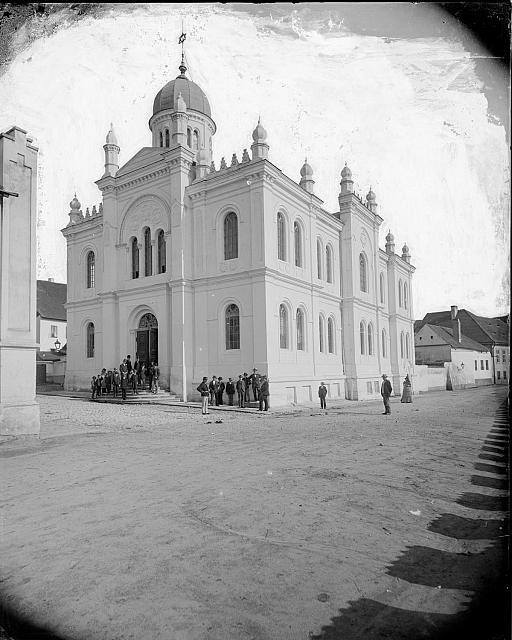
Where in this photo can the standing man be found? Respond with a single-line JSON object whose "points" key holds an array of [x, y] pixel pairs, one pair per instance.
{"points": [[230, 390], [116, 381], [213, 388], [109, 381], [220, 392], [93, 387], [255, 379], [247, 384], [322, 394], [386, 391], [203, 390], [264, 394], [129, 363], [156, 376], [133, 379], [124, 383], [240, 390]]}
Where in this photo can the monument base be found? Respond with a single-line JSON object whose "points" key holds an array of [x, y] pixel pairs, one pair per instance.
{"points": [[19, 419]]}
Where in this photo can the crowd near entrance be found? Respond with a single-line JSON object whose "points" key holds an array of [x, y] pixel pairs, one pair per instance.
{"points": [[147, 339]]}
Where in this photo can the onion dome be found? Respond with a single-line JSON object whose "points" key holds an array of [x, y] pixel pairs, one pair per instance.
{"points": [[390, 237], [194, 97], [405, 249], [75, 204], [111, 136], [306, 170], [259, 134], [346, 173], [370, 196]]}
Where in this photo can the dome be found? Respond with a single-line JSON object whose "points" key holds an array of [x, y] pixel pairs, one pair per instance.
{"points": [[306, 171], [405, 249], [370, 196], [75, 204], [192, 94], [346, 173], [259, 134], [111, 136], [390, 237]]}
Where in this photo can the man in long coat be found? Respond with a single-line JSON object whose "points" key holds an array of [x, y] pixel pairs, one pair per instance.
{"points": [[386, 391]]}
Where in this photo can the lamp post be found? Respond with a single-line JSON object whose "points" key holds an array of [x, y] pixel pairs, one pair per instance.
{"points": [[57, 345]]}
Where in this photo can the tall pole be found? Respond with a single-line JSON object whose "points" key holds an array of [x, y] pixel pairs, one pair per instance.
{"points": [[183, 366]]}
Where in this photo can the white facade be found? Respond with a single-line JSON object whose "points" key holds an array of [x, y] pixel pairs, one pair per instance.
{"points": [[239, 267], [48, 331]]}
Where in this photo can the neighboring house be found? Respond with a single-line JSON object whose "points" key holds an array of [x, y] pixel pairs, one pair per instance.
{"points": [[491, 333], [216, 270], [51, 331]]}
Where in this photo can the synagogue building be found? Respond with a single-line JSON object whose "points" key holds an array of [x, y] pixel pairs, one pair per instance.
{"points": [[216, 270]]}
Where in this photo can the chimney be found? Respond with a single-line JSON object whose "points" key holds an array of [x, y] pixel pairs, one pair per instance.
{"points": [[455, 323]]}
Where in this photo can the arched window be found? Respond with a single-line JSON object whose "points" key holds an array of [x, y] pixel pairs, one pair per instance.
{"points": [[301, 343], [328, 263], [370, 339], [91, 266], [189, 137], [384, 343], [330, 335], [402, 350], [405, 296], [162, 259], [167, 139], [400, 294], [195, 140], [135, 258], [281, 236], [232, 327], [362, 336], [321, 332], [381, 282], [148, 253], [90, 340], [407, 346], [230, 236], [297, 235], [319, 259], [363, 275], [283, 327], [161, 139]]}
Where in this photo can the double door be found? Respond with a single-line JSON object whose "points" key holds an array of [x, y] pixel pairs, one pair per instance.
{"points": [[147, 345]]}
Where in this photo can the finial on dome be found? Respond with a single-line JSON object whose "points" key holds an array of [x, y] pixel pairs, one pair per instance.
{"points": [[371, 201], [259, 134], [390, 242], [182, 66], [306, 180], [346, 173], [111, 136], [406, 254], [259, 147], [75, 204], [346, 184]]}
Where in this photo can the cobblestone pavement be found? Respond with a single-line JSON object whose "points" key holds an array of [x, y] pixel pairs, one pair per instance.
{"points": [[157, 522]]}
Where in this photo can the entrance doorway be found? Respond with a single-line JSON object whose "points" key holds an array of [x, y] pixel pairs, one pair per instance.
{"points": [[147, 339]]}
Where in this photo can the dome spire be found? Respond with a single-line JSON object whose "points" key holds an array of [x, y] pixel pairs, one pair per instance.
{"points": [[181, 41]]}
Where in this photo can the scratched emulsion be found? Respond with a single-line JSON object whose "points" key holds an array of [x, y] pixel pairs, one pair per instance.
{"points": [[406, 108]]}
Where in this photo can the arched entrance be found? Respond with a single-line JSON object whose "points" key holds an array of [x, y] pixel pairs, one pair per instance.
{"points": [[147, 338]]}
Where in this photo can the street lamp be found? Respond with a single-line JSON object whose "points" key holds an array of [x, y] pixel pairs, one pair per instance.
{"points": [[57, 345]]}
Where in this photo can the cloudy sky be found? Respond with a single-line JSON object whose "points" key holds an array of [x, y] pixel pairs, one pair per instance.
{"points": [[401, 92]]}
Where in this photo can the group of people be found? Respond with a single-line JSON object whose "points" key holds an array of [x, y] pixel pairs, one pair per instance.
{"points": [[212, 392], [386, 390], [135, 376]]}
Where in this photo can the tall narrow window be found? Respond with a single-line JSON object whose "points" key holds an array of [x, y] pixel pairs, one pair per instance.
{"points": [[370, 339], [167, 139], [402, 349], [328, 263], [400, 294], [135, 258], [301, 343], [363, 275], [148, 253], [330, 335], [162, 259], [232, 327], [281, 237], [297, 235], [230, 236], [406, 295], [321, 331], [90, 340], [195, 140], [381, 282], [161, 139], [407, 346], [91, 266], [362, 337], [189, 137], [283, 327], [319, 259], [384, 343]]}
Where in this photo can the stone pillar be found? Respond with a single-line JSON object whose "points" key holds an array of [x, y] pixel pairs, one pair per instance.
{"points": [[19, 411]]}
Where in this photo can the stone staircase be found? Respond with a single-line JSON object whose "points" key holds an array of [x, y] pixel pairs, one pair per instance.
{"points": [[144, 396]]}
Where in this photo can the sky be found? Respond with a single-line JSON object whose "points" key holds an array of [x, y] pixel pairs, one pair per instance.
{"points": [[402, 92]]}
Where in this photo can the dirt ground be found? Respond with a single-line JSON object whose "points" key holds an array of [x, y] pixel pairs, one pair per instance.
{"points": [[156, 522]]}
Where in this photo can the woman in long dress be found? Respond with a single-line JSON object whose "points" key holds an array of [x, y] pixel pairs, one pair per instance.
{"points": [[407, 390]]}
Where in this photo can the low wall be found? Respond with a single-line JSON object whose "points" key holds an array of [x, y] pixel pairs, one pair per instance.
{"points": [[429, 378]]}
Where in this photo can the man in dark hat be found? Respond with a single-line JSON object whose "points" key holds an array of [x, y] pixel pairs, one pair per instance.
{"points": [[386, 391]]}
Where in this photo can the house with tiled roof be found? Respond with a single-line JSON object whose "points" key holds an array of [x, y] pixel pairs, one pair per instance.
{"points": [[51, 331], [491, 335]]}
